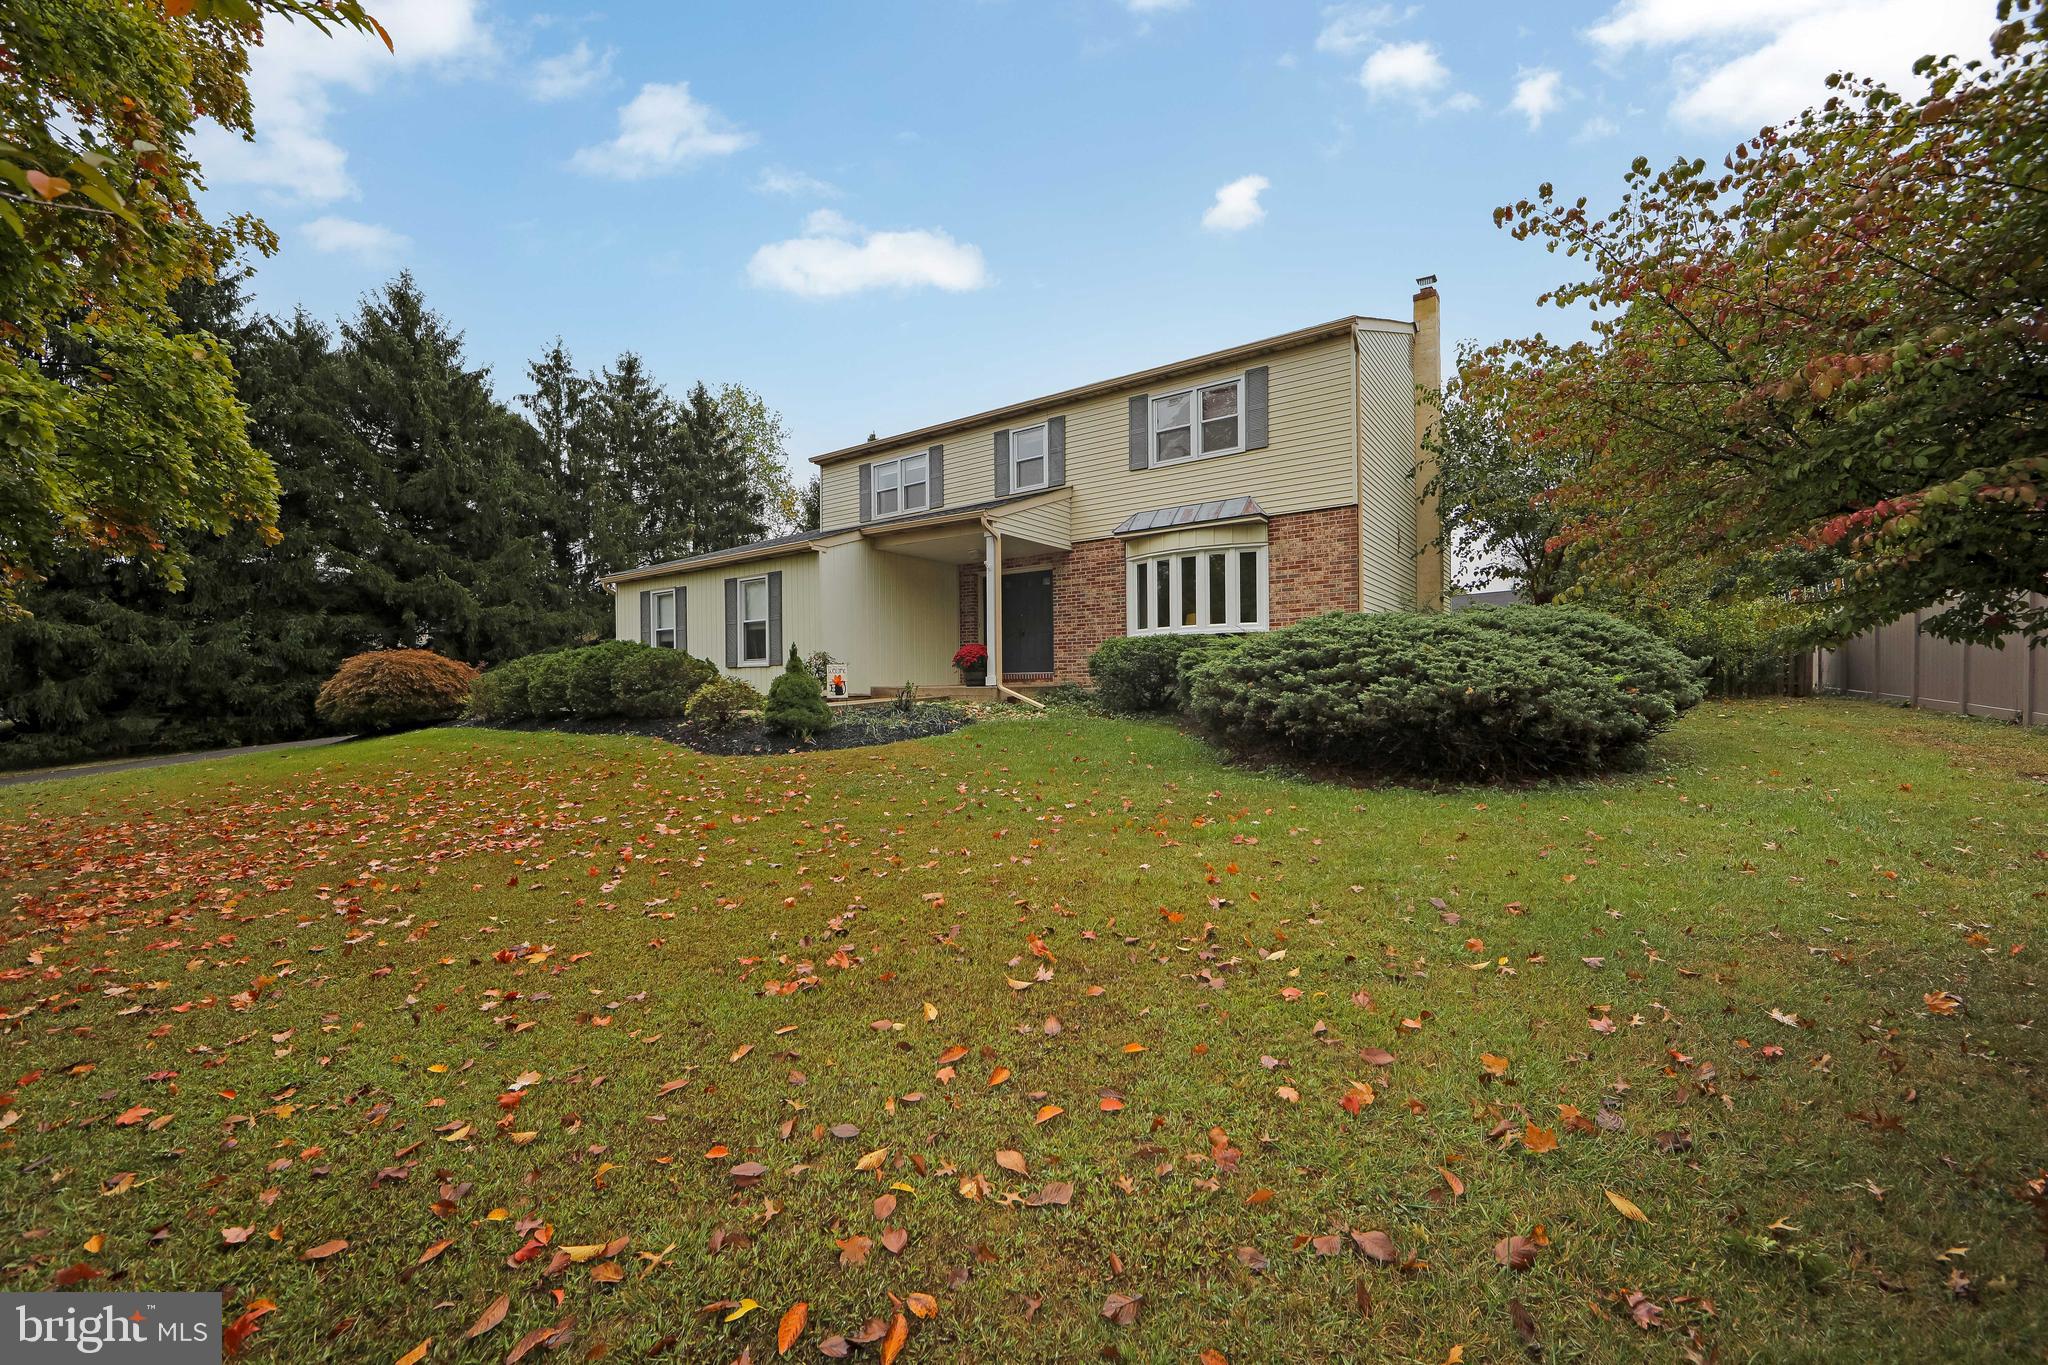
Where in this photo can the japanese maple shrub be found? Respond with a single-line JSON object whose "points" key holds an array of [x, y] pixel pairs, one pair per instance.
{"points": [[796, 703], [1490, 694], [394, 689]]}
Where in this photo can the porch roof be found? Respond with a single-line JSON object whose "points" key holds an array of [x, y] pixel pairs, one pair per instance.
{"points": [[1189, 514]]}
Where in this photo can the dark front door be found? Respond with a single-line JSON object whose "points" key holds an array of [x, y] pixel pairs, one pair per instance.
{"points": [[1027, 622]]}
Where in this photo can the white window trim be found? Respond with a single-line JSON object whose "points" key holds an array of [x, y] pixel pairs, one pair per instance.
{"points": [[1194, 396], [1044, 458], [654, 621], [748, 660], [895, 466], [1171, 559]]}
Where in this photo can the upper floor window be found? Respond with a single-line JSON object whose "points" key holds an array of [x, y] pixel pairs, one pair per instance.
{"points": [[902, 485], [1201, 421], [1028, 462], [754, 620]]}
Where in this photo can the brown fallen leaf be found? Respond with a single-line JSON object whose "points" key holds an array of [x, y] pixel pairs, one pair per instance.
{"points": [[885, 1205], [892, 1345], [1627, 1207], [1516, 1252], [1539, 1140], [237, 1333], [234, 1237], [791, 1327], [324, 1250], [538, 1336], [894, 1240], [854, 1250], [1525, 1327], [923, 1305], [1377, 1246], [493, 1314], [1252, 1259], [1121, 1309], [1012, 1161], [1457, 1185]]}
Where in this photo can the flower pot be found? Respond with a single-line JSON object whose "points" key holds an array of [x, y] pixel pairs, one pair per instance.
{"points": [[974, 677]]}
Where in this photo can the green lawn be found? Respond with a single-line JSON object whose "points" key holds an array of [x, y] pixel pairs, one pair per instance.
{"points": [[467, 986]]}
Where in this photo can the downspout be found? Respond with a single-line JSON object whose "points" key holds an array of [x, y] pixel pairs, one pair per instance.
{"points": [[992, 574]]}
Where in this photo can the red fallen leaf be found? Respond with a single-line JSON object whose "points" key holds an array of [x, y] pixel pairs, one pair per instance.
{"points": [[75, 1274], [1377, 1246], [923, 1305], [791, 1327], [489, 1318], [238, 1332], [1212, 1356], [1121, 1309], [132, 1115], [951, 1055], [324, 1250], [1457, 1185], [1525, 1325], [548, 1336], [1516, 1253]]}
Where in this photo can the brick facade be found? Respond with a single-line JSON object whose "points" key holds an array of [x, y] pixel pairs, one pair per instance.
{"points": [[1312, 566]]}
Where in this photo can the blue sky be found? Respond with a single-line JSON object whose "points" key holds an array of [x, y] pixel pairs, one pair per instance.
{"points": [[886, 214]]}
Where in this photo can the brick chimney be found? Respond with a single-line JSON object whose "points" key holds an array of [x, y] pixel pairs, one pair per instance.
{"points": [[1426, 360]]}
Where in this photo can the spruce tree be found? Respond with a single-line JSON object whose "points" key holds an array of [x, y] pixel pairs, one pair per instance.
{"points": [[724, 494]]}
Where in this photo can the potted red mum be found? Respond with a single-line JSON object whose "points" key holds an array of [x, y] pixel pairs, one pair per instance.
{"points": [[972, 661]]}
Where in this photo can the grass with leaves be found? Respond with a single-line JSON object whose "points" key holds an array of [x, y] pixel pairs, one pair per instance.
{"points": [[1055, 1038]]}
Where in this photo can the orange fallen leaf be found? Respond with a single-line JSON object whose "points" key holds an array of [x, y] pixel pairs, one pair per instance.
{"points": [[489, 1318], [1539, 1139], [416, 1354], [1627, 1207], [892, 1345], [792, 1327], [999, 1075], [324, 1250]]}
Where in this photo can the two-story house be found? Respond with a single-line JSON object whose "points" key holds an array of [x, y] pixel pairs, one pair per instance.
{"points": [[1235, 491]]}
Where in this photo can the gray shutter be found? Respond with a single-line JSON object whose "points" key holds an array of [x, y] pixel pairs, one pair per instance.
{"points": [[1055, 452], [1255, 408], [867, 493], [646, 617], [1141, 431], [1002, 464], [732, 620], [682, 620], [775, 617], [935, 463]]}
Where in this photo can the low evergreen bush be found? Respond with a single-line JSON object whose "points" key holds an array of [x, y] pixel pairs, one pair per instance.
{"points": [[1488, 694], [796, 703], [500, 692], [656, 683], [1134, 674], [551, 685], [721, 702], [394, 689], [594, 673]]}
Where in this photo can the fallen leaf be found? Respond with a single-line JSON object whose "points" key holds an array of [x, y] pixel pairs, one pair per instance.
{"points": [[1628, 1208], [1121, 1309], [493, 1314], [416, 1354], [791, 1326], [324, 1250]]}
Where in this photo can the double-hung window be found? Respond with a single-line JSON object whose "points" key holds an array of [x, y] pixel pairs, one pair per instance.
{"points": [[663, 606], [902, 485], [754, 620], [1207, 420], [1213, 591], [1028, 460]]}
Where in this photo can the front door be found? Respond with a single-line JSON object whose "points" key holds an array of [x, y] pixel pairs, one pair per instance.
{"points": [[1027, 622]]}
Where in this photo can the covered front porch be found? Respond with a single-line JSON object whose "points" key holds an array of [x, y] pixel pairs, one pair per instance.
{"points": [[1003, 555]]}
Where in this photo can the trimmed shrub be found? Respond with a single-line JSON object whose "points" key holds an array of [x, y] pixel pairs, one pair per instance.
{"points": [[391, 689], [500, 693], [1134, 674], [720, 702], [796, 704], [1508, 692], [659, 682], [593, 676], [551, 684]]}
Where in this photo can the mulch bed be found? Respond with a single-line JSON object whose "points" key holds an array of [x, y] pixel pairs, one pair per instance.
{"points": [[854, 729]]}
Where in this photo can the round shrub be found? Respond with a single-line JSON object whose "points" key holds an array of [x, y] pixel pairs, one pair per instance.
{"points": [[500, 693], [720, 703], [593, 676], [659, 682], [551, 685], [796, 704], [1510, 692], [391, 689], [1134, 674]]}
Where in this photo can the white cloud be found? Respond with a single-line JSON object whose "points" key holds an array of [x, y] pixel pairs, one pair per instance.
{"points": [[293, 80], [1350, 29], [1597, 127], [1237, 205], [1740, 63], [570, 73], [796, 184], [835, 257], [1538, 92], [1154, 6], [661, 129], [367, 242], [1398, 70]]}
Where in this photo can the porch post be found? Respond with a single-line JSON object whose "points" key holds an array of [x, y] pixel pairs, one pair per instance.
{"points": [[993, 620]]}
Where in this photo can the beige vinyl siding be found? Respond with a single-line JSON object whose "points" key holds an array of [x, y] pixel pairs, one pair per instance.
{"points": [[1386, 444], [1307, 463], [1196, 538], [704, 609], [893, 618], [1046, 523]]}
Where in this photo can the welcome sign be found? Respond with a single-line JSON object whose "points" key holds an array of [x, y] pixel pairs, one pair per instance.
{"points": [[119, 1329]]}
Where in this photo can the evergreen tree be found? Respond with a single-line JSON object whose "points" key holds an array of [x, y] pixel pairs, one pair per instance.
{"points": [[725, 503], [557, 408], [631, 424]]}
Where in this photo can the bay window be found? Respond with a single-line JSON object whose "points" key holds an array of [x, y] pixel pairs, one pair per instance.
{"points": [[1213, 590]]}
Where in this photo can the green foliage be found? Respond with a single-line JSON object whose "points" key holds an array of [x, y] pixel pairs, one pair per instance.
{"points": [[121, 432], [721, 702], [501, 693], [796, 703], [660, 682], [1485, 694], [394, 689], [1832, 346], [551, 686], [594, 674], [1134, 674]]}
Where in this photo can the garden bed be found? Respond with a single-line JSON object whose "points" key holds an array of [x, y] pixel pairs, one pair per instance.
{"points": [[852, 729]]}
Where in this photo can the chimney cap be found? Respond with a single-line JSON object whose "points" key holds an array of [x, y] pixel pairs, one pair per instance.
{"points": [[1425, 281]]}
